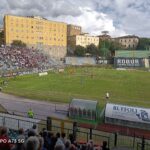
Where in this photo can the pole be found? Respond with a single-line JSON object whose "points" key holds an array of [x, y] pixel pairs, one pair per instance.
{"points": [[90, 133], [143, 143], [115, 142]]}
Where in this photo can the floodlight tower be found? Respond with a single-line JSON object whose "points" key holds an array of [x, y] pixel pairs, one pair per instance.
{"points": [[105, 32]]}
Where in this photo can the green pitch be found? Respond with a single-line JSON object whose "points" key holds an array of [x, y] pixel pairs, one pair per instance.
{"points": [[125, 87]]}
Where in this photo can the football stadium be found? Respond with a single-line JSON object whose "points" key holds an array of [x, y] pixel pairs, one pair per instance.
{"points": [[71, 100], [53, 99]]}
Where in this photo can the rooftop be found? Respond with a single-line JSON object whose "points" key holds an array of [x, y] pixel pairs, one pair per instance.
{"points": [[132, 53], [127, 36], [35, 17]]}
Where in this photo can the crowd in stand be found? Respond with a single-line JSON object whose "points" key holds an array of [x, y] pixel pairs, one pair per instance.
{"points": [[45, 140], [24, 58]]}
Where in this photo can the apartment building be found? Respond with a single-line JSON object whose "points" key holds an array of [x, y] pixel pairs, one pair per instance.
{"points": [[128, 42], [82, 40], [37, 32], [73, 30]]}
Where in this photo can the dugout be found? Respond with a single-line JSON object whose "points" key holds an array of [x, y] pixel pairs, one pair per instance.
{"points": [[83, 109]]}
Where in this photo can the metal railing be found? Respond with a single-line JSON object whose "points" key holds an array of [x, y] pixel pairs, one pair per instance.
{"points": [[83, 135]]}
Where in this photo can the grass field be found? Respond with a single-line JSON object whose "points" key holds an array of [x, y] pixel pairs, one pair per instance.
{"points": [[125, 87]]}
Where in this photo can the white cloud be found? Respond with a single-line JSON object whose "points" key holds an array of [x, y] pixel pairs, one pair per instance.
{"points": [[92, 22]]}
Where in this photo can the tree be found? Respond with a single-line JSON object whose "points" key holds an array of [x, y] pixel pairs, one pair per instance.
{"points": [[115, 45], [108, 47], [79, 51], [104, 47], [18, 43], [92, 49], [2, 38], [144, 44]]}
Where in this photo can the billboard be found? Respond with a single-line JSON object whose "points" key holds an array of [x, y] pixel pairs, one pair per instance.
{"points": [[128, 113], [122, 62]]}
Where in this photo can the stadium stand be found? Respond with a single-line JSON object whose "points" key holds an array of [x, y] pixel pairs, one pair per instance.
{"points": [[46, 140], [24, 58]]}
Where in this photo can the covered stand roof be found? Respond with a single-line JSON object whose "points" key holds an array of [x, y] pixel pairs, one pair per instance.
{"points": [[84, 104]]}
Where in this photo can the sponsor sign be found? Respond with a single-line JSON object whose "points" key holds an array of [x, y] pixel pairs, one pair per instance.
{"points": [[120, 62], [123, 112], [103, 61], [43, 74]]}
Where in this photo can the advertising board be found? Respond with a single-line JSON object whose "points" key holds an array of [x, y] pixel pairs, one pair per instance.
{"points": [[128, 113], [122, 62]]}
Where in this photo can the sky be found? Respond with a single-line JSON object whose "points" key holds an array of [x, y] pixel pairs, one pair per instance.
{"points": [[118, 17]]}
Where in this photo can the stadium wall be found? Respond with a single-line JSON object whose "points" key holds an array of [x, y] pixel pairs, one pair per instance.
{"points": [[79, 61]]}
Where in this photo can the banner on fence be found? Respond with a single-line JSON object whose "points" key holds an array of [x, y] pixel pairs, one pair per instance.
{"points": [[121, 62], [128, 113]]}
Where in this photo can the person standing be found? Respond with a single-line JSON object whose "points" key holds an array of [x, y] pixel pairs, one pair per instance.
{"points": [[107, 97], [30, 113]]}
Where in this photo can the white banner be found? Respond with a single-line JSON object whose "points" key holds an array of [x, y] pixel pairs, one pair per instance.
{"points": [[123, 112], [43, 74]]}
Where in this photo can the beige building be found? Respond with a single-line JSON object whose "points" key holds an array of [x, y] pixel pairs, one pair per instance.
{"points": [[1, 29], [128, 42], [82, 40], [37, 32], [73, 30]]}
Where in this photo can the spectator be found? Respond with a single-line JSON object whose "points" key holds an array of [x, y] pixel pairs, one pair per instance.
{"points": [[12, 58], [71, 138], [41, 144], [49, 139], [32, 143], [59, 141], [21, 135], [67, 145], [63, 135], [104, 146], [53, 142], [45, 137], [89, 146], [83, 147], [34, 128], [5, 144], [59, 147], [20, 140], [31, 133], [72, 147], [30, 113]]}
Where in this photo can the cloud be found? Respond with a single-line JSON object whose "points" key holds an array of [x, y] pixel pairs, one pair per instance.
{"points": [[91, 21], [119, 17]]}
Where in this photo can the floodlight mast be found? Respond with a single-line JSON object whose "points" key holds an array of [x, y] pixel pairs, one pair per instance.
{"points": [[105, 32]]}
